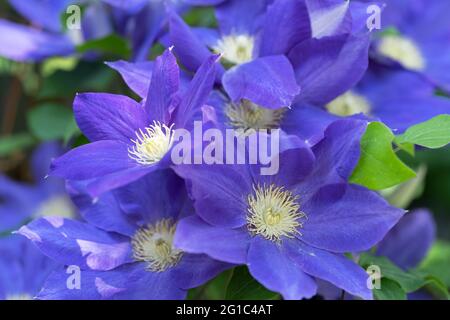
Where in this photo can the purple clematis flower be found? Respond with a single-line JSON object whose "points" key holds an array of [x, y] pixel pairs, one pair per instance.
{"points": [[129, 139], [125, 250], [294, 226], [250, 42], [418, 40], [20, 202], [23, 268]]}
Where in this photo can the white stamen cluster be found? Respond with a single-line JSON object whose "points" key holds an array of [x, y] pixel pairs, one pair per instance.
{"points": [[236, 49], [152, 143], [402, 50], [273, 213], [348, 104], [247, 115], [154, 245]]}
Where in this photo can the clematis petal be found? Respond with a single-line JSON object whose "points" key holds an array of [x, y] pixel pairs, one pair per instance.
{"points": [[280, 37], [409, 241], [158, 195], [75, 243], [131, 282], [136, 75], [326, 68], [194, 270], [338, 153], [347, 218], [271, 266], [197, 94], [104, 213], [187, 47], [196, 236], [104, 116], [163, 86], [240, 17], [93, 160], [268, 82], [219, 192], [333, 268], [330, 17]]}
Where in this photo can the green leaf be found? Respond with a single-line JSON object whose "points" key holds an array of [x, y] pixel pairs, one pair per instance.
{"points": [[409, 148], [113, 44], [408, 281], [11, 144], [379, 167], [244, 287], [49, 121], [389, 290], [433, 134]]}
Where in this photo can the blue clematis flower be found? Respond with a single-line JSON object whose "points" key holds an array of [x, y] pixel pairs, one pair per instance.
{"points": [[418, 40], [129, 139], [23, 268], [125, 250], [294, 226], [21, 202]]}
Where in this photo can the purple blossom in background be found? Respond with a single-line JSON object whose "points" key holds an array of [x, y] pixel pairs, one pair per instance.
{"points": [[419, 39], [295, 226], [125, 249], [46, 197], [23, 269]]}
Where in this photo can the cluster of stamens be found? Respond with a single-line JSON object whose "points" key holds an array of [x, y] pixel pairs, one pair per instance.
{"points": [[273, 213], [236, 49], [154, 245], [152, 143], [248, 116]]}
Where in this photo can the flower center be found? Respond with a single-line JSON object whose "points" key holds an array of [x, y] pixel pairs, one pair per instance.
{"points": [[402, 50], [247, 115], [152, 143], [273, 212], [236, 49], [59, 206], [349, 104], [154, 245]]}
